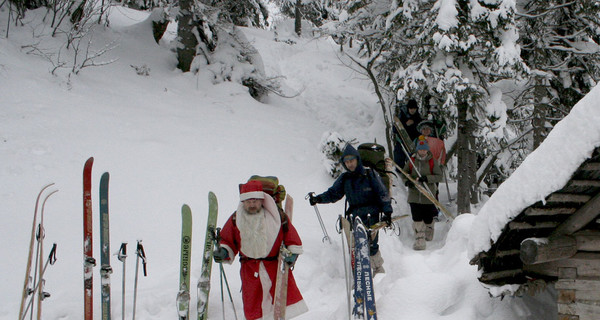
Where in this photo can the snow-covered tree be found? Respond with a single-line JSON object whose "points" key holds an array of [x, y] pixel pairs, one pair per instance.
{"points": [[560, 44], [454, 51]]}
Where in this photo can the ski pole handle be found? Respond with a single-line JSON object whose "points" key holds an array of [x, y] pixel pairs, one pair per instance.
{"points": [[141, 254], [122, 252]]}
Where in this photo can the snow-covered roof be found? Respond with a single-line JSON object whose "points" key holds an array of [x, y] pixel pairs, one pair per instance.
{"points": [[544, 171]]}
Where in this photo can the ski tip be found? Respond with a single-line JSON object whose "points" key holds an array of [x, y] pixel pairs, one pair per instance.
{"points": [[105, 176], [185, 207], [90, 160], [212, 195]]}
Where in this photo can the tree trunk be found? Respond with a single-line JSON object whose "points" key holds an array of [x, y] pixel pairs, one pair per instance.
{"points": [[298, 18], [463, 197], [539, 110], [472, 168], [186, 51]]}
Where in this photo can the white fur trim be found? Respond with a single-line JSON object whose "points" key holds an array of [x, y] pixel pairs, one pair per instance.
{"points": [[295, 249], [295, 309], [252, 195], [265, 281], [229, 252], [272, 225]]}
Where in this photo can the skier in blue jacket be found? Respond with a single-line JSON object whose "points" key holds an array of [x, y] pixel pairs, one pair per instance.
{"points": [[366, 195]]}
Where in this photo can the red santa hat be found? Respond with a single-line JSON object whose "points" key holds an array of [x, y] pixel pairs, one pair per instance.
{"points": [[251, 190]]}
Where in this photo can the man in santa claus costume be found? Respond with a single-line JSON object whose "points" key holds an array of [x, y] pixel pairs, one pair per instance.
{"points": [[256, 232]]}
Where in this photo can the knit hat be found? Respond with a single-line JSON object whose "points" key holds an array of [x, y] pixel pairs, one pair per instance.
{"points": [[422, 143], [251, 190], [412, 104], [425, 124]]}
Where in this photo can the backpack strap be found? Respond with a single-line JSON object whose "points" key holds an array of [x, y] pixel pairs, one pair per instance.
{"points": [[431, 165]]}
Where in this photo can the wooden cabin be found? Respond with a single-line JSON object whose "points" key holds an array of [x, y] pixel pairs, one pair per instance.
{"points": [[554, 242]]}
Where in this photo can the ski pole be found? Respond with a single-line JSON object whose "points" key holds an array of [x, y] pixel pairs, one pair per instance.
{"points": [[122, 255], [325, 235], [26, 289], [346, 272], [447, 187], [223, 276], [141, 255], [51, 260]]}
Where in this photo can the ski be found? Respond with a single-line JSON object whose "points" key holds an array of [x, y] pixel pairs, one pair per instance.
{"points": [[426, 192], [88, 260], [408, 143], [27, 290], [283, 269], [203, 287], [183, 296], [105, 269], [364, 293], [51, 260], [41, 235]]}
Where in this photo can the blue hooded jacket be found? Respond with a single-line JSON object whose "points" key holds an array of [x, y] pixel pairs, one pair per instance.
{"points": [[363, 188]]}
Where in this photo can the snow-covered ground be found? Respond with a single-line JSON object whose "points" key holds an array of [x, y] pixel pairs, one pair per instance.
{"points": [[167, 139]]}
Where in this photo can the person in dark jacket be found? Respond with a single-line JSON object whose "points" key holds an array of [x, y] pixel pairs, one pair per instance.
{"points": [[366, 195], [410, 119]]}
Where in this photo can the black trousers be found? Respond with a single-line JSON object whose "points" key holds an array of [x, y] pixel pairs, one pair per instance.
{"points": [[423, 212]]}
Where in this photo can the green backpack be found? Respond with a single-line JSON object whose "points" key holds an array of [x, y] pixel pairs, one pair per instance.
{"points": [[272, 187], [372, 155]]}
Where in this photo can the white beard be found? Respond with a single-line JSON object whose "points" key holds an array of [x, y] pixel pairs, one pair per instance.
{"points": [[253, 234]]}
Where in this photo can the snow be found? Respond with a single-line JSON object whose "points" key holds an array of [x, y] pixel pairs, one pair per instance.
{"points": [[169, 138]]}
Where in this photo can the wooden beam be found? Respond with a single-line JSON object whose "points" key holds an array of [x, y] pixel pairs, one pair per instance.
{"points": [[539, 225], [585, 288], [580, 218], [581, 310], [489, 276], [539, 250], [568, 197], [587, 264], [584, 183], [591, 166], [588, 240], [548, 211]]}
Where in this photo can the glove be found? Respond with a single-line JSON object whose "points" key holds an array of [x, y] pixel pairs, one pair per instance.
{"points": [[220, 254], [422, 179], [291, 259], [409, 184], [387, 218], [312, 199]]}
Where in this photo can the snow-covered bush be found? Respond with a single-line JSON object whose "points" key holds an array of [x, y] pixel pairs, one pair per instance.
{"points": [[332, 146]]}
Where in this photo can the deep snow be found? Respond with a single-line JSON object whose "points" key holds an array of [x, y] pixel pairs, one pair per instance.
{"points": [[169, 138]]}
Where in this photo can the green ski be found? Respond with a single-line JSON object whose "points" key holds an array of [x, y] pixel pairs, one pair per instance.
{"points": [[105, 269], [183, 296], [204, 281]]}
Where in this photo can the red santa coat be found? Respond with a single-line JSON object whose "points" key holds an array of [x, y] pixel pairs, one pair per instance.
{"points": [[259, 266]]}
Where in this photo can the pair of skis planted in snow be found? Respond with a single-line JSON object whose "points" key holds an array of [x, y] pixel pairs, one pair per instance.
{"points": [[34, 285], [89, 262], [363, 306], [203, 287]]}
